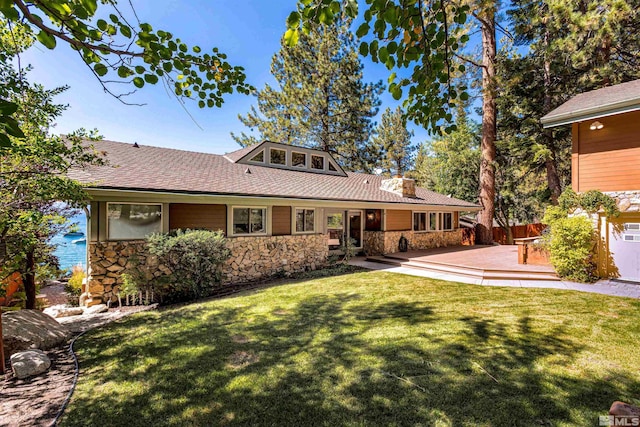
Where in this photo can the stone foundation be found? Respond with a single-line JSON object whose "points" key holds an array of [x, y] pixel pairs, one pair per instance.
{"points": [[386, 242], [252, 258]]}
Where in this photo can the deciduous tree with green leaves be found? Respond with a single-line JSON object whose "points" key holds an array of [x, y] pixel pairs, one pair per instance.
{"points": [[391, 144], [121, 48], [449, 163], [32, 173], [321, 100]]}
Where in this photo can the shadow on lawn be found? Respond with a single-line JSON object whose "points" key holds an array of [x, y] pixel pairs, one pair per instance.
{"points": [[334, 360]]}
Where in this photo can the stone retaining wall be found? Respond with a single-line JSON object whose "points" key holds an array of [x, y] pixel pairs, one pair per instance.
{"points": [[386, 242], [252, 258]]}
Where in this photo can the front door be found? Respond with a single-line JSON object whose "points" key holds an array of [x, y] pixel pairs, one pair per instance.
{"points": [[343, 224], [355, 228]]}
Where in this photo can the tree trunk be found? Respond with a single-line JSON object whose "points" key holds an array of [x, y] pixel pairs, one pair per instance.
{"points": [[489, 113], [29, 282], [553, 180]]}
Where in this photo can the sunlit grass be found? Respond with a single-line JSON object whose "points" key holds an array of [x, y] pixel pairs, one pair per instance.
{"points": [[365, 349]]}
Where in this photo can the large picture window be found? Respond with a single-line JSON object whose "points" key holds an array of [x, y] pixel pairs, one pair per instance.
{"points": [[249, 220], [305, 220], [126, 221], [420, 221]]}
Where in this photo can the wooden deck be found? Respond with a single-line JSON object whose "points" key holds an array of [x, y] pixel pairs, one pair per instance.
{"points": [[482, 262]]}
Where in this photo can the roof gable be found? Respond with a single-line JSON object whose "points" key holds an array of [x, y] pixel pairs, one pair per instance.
{"points": [[294, 158]]}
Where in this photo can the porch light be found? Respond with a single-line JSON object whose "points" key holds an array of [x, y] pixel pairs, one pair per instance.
{"points": [[596, 125], [371, 216]]}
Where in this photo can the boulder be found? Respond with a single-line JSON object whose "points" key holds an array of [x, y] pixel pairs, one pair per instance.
{"points": [[95, 309], [31, 329], [29, 363], [624, 414], [63, 310]]}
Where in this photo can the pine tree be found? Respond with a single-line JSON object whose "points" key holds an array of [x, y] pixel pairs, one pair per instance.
{"points": [[391, 144], [320, 101]]}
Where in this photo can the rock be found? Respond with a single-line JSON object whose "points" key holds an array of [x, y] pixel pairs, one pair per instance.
{"points": [[623, 414], [31, 329], [62, 310], [624, 204], [29, 363], [95, 309]]}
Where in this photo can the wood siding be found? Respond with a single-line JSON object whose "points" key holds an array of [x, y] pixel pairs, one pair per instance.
{"points": [[607, 159], [398, 220], [281, 220], [193, 216]]}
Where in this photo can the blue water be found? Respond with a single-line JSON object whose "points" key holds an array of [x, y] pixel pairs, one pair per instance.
{"points": [[70, 253]]}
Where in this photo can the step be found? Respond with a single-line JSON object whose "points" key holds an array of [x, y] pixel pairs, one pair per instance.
{"points": [[465, 271]]}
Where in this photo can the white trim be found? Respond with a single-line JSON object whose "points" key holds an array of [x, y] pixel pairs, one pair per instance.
{"points": [[286, 163], [304, 166], [294, 219], [162, 210], [441, 220], [426, 221], [231, 231]]}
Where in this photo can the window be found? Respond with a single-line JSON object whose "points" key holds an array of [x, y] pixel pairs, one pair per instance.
{"points": [[419, 221], [446, 221], [305, 220], [332, 168], [317, 162], [433, 221], [249, 220], [298, 160], [126, 221], [259, 158], [278, 157]]}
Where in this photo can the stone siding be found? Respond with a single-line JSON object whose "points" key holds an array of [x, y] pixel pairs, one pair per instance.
{"points": [[627, 201], [252, 258], [386, 242]]}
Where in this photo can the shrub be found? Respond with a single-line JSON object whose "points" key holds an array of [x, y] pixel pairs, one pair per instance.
{"points": [[571, 242], [73, 287], [195, 258]]}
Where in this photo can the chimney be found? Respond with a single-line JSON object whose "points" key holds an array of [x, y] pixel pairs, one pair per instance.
{"points": [[404, 187]]}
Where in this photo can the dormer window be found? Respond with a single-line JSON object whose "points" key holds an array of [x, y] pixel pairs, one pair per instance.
{"points": [[332, 168], [298, 160], [258, 158], [317, 162], [278, 157]]}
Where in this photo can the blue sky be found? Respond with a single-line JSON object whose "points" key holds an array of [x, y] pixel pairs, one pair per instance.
{"points": [[248, 31]]}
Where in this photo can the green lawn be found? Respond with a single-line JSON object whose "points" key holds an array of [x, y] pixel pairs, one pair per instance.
{"points": [[367, 348]]}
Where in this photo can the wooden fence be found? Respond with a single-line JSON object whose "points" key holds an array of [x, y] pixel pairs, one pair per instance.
{"points": [[517, 231], [499, 235]]}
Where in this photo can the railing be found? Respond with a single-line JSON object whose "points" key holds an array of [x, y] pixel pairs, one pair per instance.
{"points": [[517, 232]]}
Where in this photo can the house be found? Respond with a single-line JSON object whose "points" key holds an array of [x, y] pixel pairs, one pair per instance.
{"points": [[283, 208], [606, 157]]}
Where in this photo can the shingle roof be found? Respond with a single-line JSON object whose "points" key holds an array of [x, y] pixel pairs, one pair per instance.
{"points": [[234, 156], [603, 102], [148, 168]]}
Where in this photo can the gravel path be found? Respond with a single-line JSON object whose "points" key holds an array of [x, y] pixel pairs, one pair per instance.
{"points": [[36, 401]]}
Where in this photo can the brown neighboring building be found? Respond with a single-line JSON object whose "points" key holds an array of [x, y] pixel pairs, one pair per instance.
{"points": [[606, 157], [283, 208]]}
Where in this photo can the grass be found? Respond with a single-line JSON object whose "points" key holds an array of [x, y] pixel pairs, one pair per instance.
{"points": [[367, 348]]}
